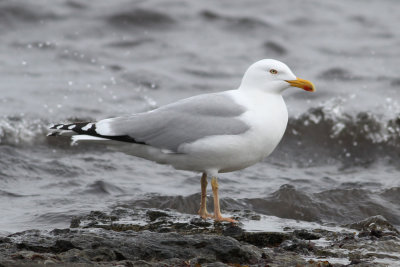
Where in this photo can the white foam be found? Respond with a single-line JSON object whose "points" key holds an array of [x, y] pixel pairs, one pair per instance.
{"points": [[276, 224]]}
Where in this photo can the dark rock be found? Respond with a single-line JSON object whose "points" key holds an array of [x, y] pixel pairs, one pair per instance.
{"points": [[355, 261], [255, 217], [62, 246], [299, 246], [5, 240], [141, 263], [59, 246], [75, 222], [304, 234], [99, 215], [376, 226], [171, 239], [59, 231], [107, 246], [200, 222], [263, 239], [155, 214], [233, 231]]}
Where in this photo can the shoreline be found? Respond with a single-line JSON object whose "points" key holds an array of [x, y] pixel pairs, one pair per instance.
{"points": [[147, 237]]}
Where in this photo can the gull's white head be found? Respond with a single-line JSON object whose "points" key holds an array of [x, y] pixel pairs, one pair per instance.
{"points": [[272, 76]]}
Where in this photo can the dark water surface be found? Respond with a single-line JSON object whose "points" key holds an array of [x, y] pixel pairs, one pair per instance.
{"points": [[80, 60]]}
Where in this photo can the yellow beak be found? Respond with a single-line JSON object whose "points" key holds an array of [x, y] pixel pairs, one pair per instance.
{"points": [[303, 84]]}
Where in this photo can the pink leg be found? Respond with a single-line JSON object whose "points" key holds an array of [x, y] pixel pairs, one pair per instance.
{"points": [[217, 212], [203, 205]]}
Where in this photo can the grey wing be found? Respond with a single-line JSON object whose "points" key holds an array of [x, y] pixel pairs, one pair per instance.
{"points": [[182, 122]]}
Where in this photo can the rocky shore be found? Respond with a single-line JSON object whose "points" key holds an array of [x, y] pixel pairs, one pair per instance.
{"points": [[146, 237]]}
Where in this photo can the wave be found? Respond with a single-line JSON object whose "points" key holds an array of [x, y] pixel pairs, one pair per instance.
{"points": [[325, 131], [17, 131], [234, 22], [137, 17], [12, 14], [335, 205]]}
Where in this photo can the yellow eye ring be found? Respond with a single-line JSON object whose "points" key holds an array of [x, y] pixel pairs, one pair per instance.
{"points": [[273, 71]]}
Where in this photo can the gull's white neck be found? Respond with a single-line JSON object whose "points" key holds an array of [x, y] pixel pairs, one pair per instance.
{"points": [[267, 118]]}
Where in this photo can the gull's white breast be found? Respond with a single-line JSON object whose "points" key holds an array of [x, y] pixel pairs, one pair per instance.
{"points": [[267, 117]]}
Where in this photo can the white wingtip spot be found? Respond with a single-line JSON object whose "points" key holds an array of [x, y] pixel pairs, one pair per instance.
{"points": [[71, 127], [87, 127], [59, 126]]}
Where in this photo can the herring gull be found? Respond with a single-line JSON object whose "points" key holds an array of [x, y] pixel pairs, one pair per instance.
{"points": [[209, 133]]}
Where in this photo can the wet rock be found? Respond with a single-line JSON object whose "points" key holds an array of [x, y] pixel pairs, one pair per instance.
{"points": [[146, 237], [75, 222], [58, 247], [304, 234], [297, 245], [59, 231], [5, 240], [263, 239], [376, 226], [155, 214], [200, 222], [107, 246], [233, 231], [255, 217]]}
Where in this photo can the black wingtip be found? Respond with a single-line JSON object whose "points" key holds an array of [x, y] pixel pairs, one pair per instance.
{"points": [[88, 128]]}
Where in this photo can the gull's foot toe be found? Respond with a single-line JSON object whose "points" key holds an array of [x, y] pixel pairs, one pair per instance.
{"points": [[224, 219], [205, 215]]}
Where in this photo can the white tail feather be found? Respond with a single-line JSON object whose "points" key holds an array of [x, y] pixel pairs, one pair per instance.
{"points": [[84, 137]]}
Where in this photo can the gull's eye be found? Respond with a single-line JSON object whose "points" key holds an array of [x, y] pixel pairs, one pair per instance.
{"points": [[273, 71]]}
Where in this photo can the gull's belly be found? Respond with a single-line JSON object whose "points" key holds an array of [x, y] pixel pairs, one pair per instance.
{"points": [[233, 152], [258, 143]]}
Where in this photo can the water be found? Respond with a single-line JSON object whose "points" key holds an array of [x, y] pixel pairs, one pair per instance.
{"points": [[75, 60]]}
